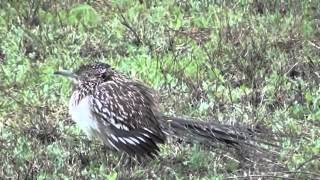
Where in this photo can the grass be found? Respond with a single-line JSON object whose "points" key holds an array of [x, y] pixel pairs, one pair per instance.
{"points": [[247, 61]]}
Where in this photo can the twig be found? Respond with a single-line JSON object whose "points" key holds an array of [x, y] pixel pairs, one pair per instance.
{"points": [[275, 175], [314, 45], [127, 25], [291, 68], [300, 172], [257, 176], [307, 161]]}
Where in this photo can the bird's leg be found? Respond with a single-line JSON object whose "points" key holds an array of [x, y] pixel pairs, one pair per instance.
{"points": [[105, 149], [83, 154], [87, 143], [128, 161]]}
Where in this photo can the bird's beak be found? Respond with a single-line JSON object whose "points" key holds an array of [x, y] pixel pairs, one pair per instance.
{"points": [[67, 74]]}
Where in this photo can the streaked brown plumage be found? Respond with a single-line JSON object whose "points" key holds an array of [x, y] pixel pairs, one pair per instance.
{"points": [[123, 113]]}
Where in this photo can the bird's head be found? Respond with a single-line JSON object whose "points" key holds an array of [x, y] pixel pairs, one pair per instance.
{"points": [[90, 73]]}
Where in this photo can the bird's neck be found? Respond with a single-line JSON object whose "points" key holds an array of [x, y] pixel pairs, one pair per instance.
{"points": [[82, 90]]}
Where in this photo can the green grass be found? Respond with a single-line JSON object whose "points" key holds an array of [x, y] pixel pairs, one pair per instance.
{"points": [[246, 61]]}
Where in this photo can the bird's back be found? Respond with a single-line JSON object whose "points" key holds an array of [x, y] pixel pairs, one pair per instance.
{"points": [[121, 112]]}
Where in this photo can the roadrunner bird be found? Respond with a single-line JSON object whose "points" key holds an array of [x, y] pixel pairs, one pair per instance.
{"points": [[123, 113]]}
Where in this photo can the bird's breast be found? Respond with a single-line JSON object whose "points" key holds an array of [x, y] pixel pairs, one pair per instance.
{"points": [[81, 113]]}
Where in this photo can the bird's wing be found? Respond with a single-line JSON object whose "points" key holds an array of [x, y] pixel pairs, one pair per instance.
{"points": [[126, 117]]}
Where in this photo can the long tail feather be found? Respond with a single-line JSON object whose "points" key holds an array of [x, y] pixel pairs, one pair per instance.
{"points": [[248, 142]]}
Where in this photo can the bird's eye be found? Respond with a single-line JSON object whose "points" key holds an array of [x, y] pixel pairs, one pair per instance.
{"points": [[106, 77]]}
